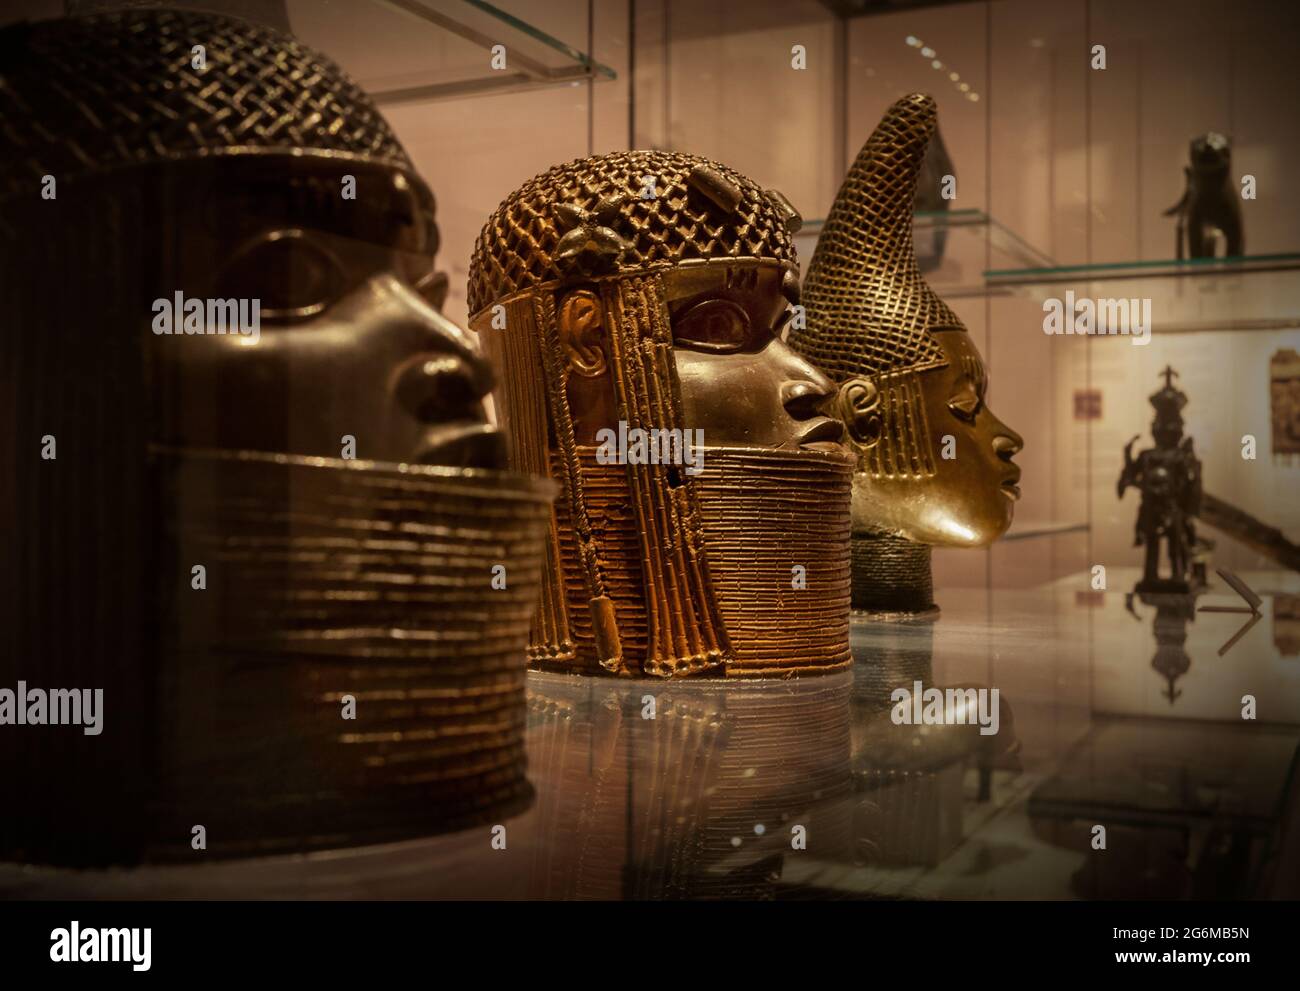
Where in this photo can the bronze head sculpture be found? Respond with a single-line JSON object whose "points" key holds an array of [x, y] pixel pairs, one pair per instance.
{"points": [[252, 489], [934, 463], [633, 304]]}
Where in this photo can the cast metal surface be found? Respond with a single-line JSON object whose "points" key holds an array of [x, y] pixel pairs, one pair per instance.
{"points": [[647, 291], [228, 183], [324, 577], [908, 373], [1169, 478], [343, 578], [891, 577]]}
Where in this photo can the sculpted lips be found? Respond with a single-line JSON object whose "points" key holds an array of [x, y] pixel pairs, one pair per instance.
{"points": [[822, 432], [462, 444], [1010, 485]]}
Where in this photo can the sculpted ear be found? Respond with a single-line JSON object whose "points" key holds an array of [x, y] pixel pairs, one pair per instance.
{"points": [[581, 319], [859, 407]]}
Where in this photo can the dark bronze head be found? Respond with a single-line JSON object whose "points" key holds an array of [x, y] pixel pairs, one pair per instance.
{"points": [[241, 170], [246, 466]]}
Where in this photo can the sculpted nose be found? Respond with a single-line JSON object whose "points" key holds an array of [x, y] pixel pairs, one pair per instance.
{"points": [[1008, 445], [805, 389], [447, 378], [805, 398], [446, 338], [435, 388], [442, 388]]}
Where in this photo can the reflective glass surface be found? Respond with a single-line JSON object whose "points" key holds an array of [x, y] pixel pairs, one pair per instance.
{"points": [[1113, 710]]}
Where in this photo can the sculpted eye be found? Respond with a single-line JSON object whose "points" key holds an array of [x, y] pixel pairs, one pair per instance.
{"points": [[966, 402], [291, 275], [715, 325]]}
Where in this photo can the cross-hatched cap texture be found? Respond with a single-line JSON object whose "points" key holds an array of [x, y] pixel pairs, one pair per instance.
{"points": [[869, 309], [86, 95], [516, 249]]}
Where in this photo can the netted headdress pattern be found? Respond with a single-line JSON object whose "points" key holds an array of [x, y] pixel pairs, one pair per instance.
{"points": [[87, 95], [868, 306], [700, 210], [630, 590]]}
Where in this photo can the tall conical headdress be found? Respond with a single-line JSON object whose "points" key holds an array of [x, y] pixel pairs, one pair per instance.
{"points": [[868, 306]]}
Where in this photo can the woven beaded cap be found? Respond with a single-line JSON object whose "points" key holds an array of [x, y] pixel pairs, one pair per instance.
{"points": [[86, 95], [869, 309], [517, 248]]}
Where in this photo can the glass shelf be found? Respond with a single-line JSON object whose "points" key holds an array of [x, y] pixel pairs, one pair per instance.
{"points": [[971, 242], [1039, 528], [437, 49], [1256, 292], [1144, 269], [983, 257]]}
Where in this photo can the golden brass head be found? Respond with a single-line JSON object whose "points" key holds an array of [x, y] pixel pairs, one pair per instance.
{"points": [[647, 291], [934, 463]]}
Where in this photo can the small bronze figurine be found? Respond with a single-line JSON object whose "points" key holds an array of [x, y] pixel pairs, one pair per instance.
{"points": [[1169, 478], [249, 490], [633, 304], [934, 463], [1211, 201]]}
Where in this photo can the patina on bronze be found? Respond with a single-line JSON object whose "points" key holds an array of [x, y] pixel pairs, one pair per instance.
{"points": [[297, 649], [647, 291], [909, 376]]}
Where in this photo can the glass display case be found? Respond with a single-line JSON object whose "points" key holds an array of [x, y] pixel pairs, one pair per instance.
{"points": [[1066, 130]]}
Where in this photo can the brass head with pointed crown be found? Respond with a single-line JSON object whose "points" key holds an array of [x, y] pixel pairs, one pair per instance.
{"points": [[908, 373]]}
